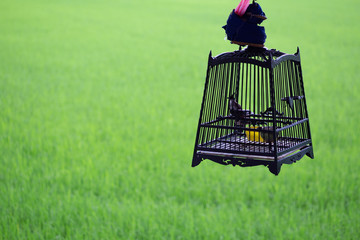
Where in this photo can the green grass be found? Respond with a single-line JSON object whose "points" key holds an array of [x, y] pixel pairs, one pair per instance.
{"points": [[99, 103]]}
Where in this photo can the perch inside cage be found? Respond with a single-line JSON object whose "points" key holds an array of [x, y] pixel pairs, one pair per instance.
{"points": [[253, 110]]}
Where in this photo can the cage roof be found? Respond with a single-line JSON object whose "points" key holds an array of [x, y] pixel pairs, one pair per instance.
{"points": [[260, 56]]}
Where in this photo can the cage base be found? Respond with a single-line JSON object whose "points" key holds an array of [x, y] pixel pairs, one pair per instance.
{"points": [[245, 160]]}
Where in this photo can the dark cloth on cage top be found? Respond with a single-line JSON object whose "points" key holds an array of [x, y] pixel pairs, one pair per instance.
{"points": [[245, 29]]}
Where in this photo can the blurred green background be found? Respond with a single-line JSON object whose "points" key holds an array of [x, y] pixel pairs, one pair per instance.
{"points": [[99, 104]]}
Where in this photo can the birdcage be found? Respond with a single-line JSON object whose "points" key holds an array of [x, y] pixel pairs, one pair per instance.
{"points": [[253, 110]]}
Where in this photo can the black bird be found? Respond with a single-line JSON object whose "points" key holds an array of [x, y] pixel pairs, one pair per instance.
{"points": [[239, 114], [234, 106], [236, 109]]}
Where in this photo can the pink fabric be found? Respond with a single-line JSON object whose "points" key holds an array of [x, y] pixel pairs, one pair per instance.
{"points": [[241, 8]]}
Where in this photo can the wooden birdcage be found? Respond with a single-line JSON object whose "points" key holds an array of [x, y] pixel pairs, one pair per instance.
{"points": [[253, 110]]}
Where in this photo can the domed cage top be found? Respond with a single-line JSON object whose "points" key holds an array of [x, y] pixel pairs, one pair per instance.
{"points": [[253, 110]]}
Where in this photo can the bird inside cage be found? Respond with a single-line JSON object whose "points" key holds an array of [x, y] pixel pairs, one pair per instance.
{"points": [[236, 109], [238, 113]]}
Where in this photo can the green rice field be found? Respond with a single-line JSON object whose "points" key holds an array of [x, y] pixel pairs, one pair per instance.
{"points": [[99, 106]]}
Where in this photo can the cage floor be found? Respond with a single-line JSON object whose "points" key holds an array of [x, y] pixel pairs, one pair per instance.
{"points": [[234, 143]]}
